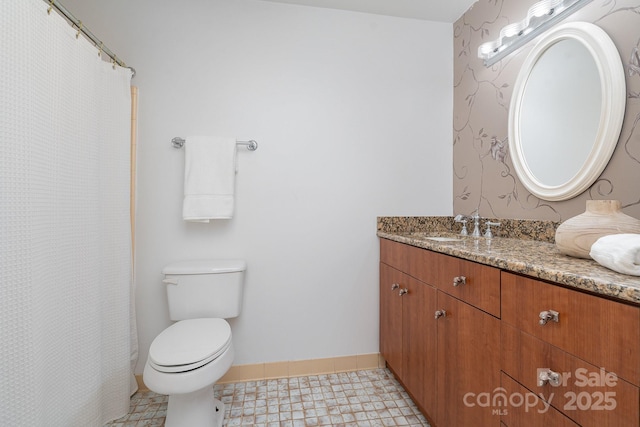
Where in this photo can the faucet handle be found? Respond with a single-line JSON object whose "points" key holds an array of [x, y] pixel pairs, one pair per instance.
{"points": [[488, 234], [461, 219]]}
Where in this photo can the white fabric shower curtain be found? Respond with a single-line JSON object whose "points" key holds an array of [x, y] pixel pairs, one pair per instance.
{"points": [[65, 247]]}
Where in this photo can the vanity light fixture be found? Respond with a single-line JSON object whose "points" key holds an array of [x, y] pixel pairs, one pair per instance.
{"points": [[540, 17]]}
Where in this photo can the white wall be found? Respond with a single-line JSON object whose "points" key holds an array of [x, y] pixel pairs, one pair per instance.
{"points": [[353, 115]]}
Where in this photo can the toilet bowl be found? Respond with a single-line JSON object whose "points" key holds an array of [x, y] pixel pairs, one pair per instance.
{"points": [[186, 359]]}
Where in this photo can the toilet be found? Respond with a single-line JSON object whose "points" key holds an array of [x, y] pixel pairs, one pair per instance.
{"points": [[186, 359]]}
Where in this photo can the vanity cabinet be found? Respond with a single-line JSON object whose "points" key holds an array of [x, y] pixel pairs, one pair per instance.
{"points": [[579, 352], [447, 347], [468, 341]]}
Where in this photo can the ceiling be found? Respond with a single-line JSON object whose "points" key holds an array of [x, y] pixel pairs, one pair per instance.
{"points": [[431, 10]]}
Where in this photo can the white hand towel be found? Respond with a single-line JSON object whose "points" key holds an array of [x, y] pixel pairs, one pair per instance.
{"points": [[209, 178], [618, 252]]}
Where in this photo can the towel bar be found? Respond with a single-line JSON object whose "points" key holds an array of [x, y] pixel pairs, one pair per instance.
{"points": [[252, 145]]}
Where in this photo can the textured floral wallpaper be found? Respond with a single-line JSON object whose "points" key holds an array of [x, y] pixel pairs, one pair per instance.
{"points": [[484, 178]]}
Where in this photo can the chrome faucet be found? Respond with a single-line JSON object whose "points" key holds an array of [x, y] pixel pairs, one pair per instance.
{"points": [[476, 225], [461, 219]]}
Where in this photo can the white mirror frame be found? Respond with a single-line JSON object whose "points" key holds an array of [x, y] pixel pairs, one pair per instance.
{"points": [[613, 89]]}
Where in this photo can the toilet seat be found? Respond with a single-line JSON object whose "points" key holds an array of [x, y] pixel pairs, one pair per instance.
{"points": [[189, 344]]}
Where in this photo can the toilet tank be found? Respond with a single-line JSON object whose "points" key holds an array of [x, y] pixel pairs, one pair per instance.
{"points": [[205, 288]]}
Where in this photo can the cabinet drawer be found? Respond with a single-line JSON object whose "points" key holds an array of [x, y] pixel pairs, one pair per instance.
{"points": [[473, 283], [481, 287], [585, 393], [602, 332], [416, 262], [534, 413]]}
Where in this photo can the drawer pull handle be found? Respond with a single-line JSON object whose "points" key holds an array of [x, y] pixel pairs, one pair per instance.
{"points": [[394, 286], [459, 280], [440, 313], [403, 291], [548, 376], [548, 315]]}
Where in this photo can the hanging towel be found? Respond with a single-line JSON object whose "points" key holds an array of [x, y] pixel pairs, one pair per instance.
{"points": [[618, 252], [209, 178]]}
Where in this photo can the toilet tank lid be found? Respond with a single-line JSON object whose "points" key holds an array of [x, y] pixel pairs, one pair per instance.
{"points": [[206, 266]]}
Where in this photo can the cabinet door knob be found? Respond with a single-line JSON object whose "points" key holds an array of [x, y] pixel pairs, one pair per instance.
{"points": [[440, 313], [459, 280], [548, 315], [394, 286], [548, 376], [403, 291]]}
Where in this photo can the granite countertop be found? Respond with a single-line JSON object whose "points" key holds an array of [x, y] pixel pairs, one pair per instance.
{"points": [[527, 256]]}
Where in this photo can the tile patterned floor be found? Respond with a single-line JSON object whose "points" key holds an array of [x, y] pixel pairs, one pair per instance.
{"points": [[362, 399]]}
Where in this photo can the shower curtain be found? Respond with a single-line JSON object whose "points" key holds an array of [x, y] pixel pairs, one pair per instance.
{"points": [[65, 248]]}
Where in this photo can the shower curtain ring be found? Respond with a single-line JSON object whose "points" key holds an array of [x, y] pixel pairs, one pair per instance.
{"points": [[79, 29], [50, 7]]}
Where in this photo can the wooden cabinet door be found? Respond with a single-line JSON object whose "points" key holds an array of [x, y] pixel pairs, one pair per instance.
{"points": [[391, 281], [468, 364], [419, 343]]}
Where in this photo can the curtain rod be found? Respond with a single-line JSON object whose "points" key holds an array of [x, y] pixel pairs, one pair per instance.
{"points": [[88, 34]]}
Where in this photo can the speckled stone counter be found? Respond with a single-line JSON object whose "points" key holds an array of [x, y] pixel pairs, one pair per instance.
{"points": [[525, 254]]}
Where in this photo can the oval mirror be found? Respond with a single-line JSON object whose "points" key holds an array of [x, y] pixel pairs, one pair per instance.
{"points": [[567, 110]]}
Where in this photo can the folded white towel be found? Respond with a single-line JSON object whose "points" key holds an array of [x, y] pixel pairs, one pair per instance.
{"points": [[619, 252], [209, 178]]}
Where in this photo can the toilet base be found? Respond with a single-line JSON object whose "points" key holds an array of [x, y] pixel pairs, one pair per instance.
{"points": [[197, 409]]}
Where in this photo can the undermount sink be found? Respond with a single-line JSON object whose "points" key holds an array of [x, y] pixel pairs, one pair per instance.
{"points": [[443, 239]]}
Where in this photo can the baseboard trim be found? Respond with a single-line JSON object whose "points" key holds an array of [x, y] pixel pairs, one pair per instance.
{"points": [[298, 368], [141, 385], [295, 368]]}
